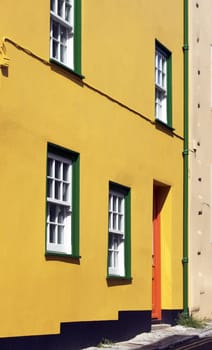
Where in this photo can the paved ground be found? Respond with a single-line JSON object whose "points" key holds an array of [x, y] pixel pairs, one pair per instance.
{"points": [[161, 337], [204, 343]]}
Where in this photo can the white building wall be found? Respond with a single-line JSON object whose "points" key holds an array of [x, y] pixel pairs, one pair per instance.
{"points": [[200, 157]]}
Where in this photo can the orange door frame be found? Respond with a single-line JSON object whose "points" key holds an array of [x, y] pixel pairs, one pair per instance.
{"points": [[156, 257]]}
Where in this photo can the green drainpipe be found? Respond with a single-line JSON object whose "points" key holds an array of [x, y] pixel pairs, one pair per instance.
{"points": [[185, 153]]}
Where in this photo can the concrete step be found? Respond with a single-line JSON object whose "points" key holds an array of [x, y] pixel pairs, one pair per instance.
{"points": [[158, 326]]}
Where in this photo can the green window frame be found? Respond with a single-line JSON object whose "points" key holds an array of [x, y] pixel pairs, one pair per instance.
{"points": [[65, 34], [62, 201], [119, 232], [77, 37], [163, 84]]}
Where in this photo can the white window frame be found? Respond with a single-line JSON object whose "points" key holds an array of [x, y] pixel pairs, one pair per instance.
{"points": [[116, 231], [161, 86], [59, 204], [62, 38]]}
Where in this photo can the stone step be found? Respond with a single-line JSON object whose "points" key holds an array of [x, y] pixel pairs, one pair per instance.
{"points": [[159, 326]]}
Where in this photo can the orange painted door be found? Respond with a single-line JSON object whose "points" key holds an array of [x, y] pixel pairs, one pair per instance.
{"points": [[156, 261]]}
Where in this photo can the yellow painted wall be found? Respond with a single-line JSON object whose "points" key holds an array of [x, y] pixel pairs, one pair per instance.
{"points": [[39, 104]]}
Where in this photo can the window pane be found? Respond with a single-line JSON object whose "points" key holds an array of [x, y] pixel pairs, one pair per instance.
{"points": [[55, 30], [164, 65], [55, 49], [110, 241], [58, 169], [49, 167], [65, 172], [52, 5], [156, 60], [63, 53], [49, 188], [164, 80], [52, 213], [114, 221], [110, 202], [159, 77], [114, 203], [120, 200], [57, 190], [110, 220], [65, 192], [60, 236], [61, 215], [110, 259], [60, 8], [67, 11], [160, 62], [63, 34], [120, 222], [115, 259], [52, 235], [115, 243]]}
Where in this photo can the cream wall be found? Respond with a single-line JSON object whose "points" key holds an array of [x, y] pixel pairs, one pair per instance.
{"points": [[40, 104], [200, 237]]}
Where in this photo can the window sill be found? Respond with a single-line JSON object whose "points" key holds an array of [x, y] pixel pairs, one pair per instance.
{"points": [[67, 69], [62, 255], [114, 280], [161, 124], [117, 277]]}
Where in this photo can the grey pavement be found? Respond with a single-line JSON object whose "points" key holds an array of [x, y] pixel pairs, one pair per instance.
{"points": [[161, 337]]}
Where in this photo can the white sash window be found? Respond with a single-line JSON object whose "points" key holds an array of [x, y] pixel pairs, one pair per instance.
{"points": [[59, 204], [116, 234], [161, 86], [62, 32]]}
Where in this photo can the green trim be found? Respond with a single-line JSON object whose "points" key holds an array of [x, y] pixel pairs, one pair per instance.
{"points": [[168, 54], [185, 159], [128, 235], [185, 260], [185, 152], [169, 90], [46, 201], [127, 238], [75, 157], [75, 205], [77, 36]]}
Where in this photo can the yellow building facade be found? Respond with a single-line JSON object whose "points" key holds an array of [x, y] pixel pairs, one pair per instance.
{"points": [[112, 118]]}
